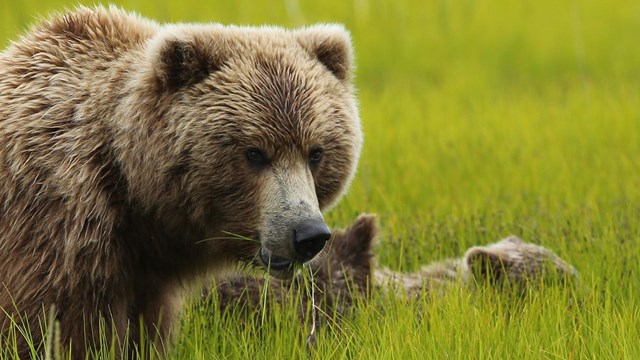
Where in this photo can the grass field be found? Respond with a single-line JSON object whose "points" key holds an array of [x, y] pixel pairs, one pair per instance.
{"points": [[481, 119]]}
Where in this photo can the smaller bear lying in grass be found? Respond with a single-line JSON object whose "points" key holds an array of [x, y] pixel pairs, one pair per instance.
{"points": [[508, 262], [346, 271]]}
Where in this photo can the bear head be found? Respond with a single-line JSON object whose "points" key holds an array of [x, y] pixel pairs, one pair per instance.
{"points": [[515, 262], [262, 131]]}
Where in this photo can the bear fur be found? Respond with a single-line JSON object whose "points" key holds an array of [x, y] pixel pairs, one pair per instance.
{"points": [[137, 157], [347, 273]]}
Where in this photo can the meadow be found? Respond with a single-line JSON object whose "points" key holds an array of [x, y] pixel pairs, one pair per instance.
{"points": [[481, 119]]}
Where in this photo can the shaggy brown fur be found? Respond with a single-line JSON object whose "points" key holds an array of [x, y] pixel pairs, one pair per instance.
{"points": [[128, 161], [348, 271]]}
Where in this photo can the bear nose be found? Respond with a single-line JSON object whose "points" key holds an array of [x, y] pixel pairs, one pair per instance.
{"points": [[309, 238]]}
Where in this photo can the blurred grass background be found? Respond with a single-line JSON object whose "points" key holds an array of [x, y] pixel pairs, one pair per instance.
{"points": [[482, 119]]}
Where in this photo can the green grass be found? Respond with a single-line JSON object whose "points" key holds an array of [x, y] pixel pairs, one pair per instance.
{"points": [[482, 119]]}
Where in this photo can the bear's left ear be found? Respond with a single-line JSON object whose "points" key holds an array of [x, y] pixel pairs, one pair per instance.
{"points": [[181, 59], [331, 45]]}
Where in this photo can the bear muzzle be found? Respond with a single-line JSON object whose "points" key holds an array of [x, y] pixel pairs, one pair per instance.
{"points": [[308, 238]]}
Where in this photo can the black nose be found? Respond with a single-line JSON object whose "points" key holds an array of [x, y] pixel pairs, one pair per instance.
{"points": [[309, 238]]}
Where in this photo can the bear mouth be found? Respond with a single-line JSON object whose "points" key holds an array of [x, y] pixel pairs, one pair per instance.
{"points": [[275, 263]]}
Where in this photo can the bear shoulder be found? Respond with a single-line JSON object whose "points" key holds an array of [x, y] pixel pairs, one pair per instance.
{"points": [[87, 27]]}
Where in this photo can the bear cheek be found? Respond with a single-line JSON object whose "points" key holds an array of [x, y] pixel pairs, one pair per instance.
{"points": [[228, 195], [332, 180]]}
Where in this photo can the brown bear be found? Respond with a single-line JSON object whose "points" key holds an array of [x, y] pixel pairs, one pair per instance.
{"points": [[136, 157], [347, 272]]}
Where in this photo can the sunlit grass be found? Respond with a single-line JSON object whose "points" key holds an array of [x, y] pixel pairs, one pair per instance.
{"points": [[482, 119]]}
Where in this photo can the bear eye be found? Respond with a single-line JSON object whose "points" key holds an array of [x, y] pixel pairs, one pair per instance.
{"points": [[256, 157], [315, 155]]}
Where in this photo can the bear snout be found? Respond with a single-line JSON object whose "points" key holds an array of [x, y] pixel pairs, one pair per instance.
{"points": [[306, 238], [309, 238]]}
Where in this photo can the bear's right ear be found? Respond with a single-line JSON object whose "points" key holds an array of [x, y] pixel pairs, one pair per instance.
{"points": [[177, 62], [331, 45]]}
